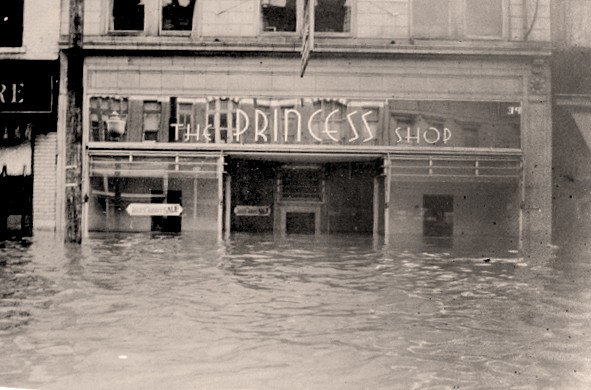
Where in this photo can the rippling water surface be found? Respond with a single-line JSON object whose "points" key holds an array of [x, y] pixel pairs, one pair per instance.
{"points": [[256, 312]]}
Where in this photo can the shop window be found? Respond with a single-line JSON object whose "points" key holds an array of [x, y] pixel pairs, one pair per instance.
{"points": [[102, 109], [128, 15], [456, 19], [220, 120], [184, 122], [279, 15], [471, 136], [438, 215], [177, 15], [332, 16], [333, 130], [11, 23], [152, 120]]}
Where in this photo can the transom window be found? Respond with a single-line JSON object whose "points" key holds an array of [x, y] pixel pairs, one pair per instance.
{"points": [[455, 19], [11, 23]]}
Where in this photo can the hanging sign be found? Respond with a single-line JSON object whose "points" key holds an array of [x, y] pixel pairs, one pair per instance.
{"points": [[154, 209], [252, 211]]}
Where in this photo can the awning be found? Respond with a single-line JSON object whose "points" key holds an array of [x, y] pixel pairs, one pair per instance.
{"points": [[16, 160], [579, 107]]}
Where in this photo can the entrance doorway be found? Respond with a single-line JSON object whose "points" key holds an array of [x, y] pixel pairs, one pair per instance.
{"points": [[287, 195], [438, 215]]}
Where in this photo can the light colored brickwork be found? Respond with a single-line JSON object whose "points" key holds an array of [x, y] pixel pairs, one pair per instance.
{"points": [[44, 182], [371, 19], [41, 28]]}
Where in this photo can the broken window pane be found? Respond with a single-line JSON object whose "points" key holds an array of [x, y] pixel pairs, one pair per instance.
{"points": [[177, 15], [128, 15], [279, 15], [11, 23], [332, 16]]}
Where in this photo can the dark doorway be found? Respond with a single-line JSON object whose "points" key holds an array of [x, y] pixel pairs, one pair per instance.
{"points": [[167, 224], [300, 223], [438, 215], [252, 198]]}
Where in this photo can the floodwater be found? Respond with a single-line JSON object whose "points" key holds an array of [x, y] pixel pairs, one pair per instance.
{"points": [[258, 312]]}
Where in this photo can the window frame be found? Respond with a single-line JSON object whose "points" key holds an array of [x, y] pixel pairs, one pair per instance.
{"points": [[299, 21], [458, 23], [194, 21], [21, 31], [111, 20], [504, 23], [352, 23]]}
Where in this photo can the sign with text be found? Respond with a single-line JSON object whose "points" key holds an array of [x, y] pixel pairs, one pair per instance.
{"points": [[27, 86], [252, 211], [336, 121], [154, 209]]}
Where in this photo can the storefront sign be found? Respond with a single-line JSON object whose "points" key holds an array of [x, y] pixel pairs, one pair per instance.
{"points": [[26, 87], [319, 121], [430, 135], [15, 133], [154, 209], [252, 211]]}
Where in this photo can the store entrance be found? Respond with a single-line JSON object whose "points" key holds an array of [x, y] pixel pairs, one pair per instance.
{"points": [[288, 196]]}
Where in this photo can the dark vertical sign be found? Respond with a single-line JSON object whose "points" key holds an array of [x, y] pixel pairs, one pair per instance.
{"points": [[307, 35]]}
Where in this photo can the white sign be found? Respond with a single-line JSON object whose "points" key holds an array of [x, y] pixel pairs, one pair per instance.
{"points": [[154, 209], [252, 211]]}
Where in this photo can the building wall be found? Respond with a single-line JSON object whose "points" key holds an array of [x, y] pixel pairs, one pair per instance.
{"points": [[571, 86], [385, 19], [44, 182], [474, 79], [41, 27]]}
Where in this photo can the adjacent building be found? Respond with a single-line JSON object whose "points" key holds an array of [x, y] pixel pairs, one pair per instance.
{"points": [[410, 120], [572, 120], [29, 74]]}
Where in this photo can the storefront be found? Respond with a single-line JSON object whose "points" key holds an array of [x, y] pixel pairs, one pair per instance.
{"points": [[27, 115], [246, 145]]}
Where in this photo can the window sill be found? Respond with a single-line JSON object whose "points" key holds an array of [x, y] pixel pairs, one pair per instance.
{"points": [[13, 50], [280, 42]]}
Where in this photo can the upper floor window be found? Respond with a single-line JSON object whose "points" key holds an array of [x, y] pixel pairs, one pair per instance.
{"points": [[484, 18], [11, 23], [128, 15], [177, 15], [279, 15], [332, 16], [457, 19]]}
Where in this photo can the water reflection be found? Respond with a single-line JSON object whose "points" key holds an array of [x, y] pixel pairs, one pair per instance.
{"points": [[141, 311]]}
